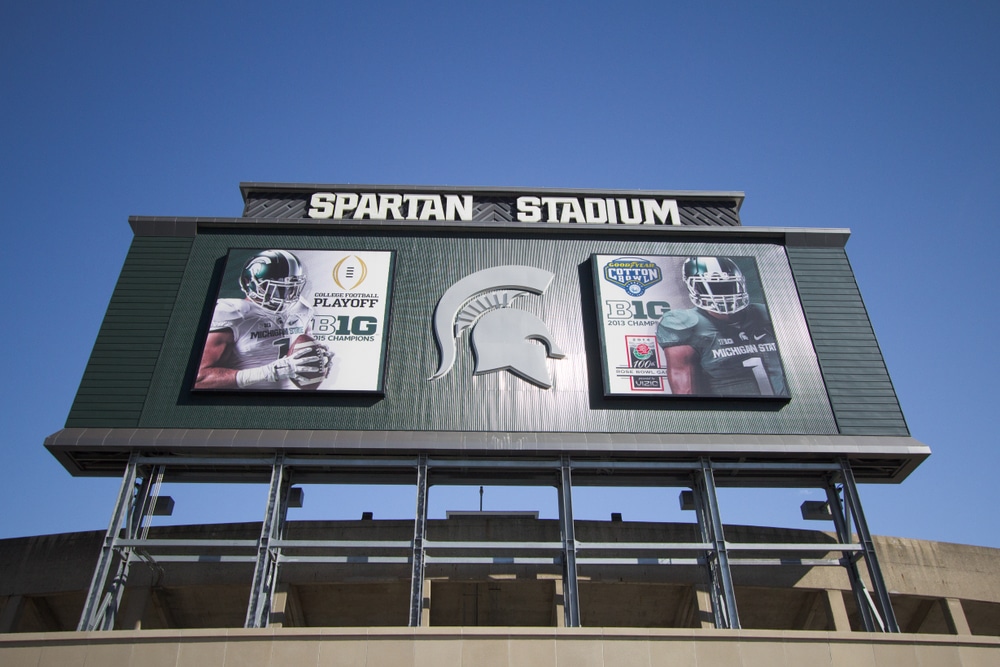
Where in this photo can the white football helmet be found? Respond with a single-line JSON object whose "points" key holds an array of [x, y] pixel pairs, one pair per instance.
{"points": [[716, 284]]}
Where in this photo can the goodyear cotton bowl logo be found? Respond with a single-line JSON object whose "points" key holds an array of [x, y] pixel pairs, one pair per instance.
{"points": [[633, 274], [502, 337], [350, 272]]}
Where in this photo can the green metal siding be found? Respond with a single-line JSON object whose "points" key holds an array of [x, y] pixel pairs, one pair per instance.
{"points": [[861, 393], [116, 380], [137, 359]]}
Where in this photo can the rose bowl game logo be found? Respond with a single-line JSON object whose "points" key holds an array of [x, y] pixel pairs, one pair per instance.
{"points": [[642, 354]]}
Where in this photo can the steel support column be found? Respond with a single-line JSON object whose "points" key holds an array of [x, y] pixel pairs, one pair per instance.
{"points": [[136, 528], [853, 501], [131, 515], [710, 526], [571, 596], [266, 570], [419, 534], [842, 524], [94, 607]]}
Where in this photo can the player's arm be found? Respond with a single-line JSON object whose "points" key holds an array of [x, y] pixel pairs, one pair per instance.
{"points": [[681, 368], [306, 364], [212, 372]]}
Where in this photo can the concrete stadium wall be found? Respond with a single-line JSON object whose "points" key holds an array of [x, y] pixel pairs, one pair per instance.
{"points": [[493, 647]]}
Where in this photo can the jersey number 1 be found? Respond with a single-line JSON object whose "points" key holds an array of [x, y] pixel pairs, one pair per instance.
{"points": [[756, 364]]}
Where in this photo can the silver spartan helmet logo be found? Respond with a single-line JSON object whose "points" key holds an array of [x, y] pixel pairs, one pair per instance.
{"points": [[501, 336]]}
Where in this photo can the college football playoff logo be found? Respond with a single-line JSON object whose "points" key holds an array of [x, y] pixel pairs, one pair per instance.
{"points": [[502, 337], [350, 272]]}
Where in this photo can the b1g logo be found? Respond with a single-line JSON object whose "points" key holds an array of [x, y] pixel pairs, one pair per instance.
{"points": [[633, 274], [350, 272], [343, 325], [635, 310]]}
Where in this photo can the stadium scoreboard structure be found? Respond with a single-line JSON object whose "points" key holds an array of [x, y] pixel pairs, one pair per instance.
{"points": [[365, 332], [586, 275]]}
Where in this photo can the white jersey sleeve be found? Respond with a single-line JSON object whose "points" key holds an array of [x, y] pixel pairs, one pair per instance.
{"points": [[261, 336]]}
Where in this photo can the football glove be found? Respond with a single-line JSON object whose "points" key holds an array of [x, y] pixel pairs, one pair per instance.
{"points": [[308, 363]]}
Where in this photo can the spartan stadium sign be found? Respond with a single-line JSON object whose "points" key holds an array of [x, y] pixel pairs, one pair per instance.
{"points": [[427, 207]]}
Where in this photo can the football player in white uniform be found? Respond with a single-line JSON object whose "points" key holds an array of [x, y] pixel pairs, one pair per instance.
{"points": [[263, 342]]}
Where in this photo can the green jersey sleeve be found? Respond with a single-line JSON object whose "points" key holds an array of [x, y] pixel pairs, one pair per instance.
{"points": [[676, 327]]}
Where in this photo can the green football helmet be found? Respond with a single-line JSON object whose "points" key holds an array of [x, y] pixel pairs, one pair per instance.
{"points": [[273, 279]]}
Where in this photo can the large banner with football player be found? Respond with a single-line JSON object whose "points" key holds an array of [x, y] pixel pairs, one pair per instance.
{"points": [[294, 320], [691, 326]]}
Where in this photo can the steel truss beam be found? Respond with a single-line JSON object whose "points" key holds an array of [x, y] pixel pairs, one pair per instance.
{"points": [[567, 530], [129, 526], [842, 523], [853, 502], [272, 528], [417, 557], [720, 577], [127, 534]]}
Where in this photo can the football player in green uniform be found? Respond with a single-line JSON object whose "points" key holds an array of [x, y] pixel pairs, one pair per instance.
{"points": [[724, 346]]}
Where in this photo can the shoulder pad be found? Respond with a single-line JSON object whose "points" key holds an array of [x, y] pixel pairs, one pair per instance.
{"points": [[676, 327], [300, 308], [228, 311], [679, 320]]}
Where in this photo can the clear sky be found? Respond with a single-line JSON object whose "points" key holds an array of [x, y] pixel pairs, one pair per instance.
{"points": [[879, 117]]}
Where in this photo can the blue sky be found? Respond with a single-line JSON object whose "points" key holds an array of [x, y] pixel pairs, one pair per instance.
{"points": [[878, 117]]}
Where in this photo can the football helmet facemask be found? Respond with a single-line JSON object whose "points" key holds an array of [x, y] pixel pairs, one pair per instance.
{"points": [[273, 279], [716, 284]]}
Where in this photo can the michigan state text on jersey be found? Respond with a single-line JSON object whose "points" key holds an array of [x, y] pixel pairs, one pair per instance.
{"points": [[260, 336], [735, 356]]}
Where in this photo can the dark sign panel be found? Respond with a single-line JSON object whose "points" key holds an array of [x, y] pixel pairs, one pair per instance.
{"points": [[294, 320], [686, 325]]}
